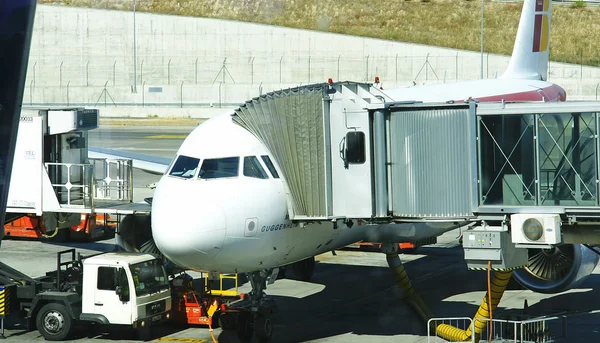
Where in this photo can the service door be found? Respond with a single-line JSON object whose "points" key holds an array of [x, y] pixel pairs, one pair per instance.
{"points": [[106, 300], [350, 160]]}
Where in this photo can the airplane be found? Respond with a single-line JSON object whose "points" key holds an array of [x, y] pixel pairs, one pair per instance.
{"points": [[222, 204]]}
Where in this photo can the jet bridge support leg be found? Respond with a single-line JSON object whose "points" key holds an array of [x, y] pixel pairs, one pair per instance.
{"points": [[411, 296]]}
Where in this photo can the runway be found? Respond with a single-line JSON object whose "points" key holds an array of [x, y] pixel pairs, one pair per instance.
{"points": [[352, 296]]}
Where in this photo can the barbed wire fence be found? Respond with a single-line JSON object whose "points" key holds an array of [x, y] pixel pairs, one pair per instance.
{"points": [[193, 81]]}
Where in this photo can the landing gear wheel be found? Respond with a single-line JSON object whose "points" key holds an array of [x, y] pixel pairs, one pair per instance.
{"points": [[263, 328], [54, 322], [303, 270], [226, 321], [245, 327]]}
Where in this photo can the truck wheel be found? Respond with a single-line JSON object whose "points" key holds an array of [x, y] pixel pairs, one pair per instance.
{"points": [[245, 326], [263, 328], [53, 322]]}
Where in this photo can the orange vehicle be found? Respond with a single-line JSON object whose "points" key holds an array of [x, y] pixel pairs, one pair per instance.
{"points": [[91, 226]]}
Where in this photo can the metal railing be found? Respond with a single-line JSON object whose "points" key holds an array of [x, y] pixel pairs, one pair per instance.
{"points": [[461, 323], [535, 330], [72, 183], [113, 179]]}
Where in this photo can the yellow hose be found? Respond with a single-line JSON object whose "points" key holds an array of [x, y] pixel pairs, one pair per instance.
{"points": [[411, 297], [451, 333], [498, 287]]}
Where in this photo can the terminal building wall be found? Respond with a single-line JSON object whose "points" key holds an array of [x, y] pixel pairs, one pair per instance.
{"points": [[86, 57]]}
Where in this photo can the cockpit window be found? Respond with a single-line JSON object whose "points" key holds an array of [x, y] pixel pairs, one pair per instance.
{"points": [[185, 167], [270, 165], [252, 168], [216, 168]]}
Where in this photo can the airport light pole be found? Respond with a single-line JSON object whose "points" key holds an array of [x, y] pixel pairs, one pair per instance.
{"points": [[135, 51], [481, 73]]}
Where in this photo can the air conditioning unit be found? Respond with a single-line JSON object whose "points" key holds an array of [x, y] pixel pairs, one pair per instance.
{"points": [[535, 228], [69, 120]]}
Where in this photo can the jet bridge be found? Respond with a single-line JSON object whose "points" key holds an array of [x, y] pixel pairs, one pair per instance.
{"points": [[347, 150]]}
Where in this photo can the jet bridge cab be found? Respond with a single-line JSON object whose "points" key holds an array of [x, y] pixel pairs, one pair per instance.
{"points": [[55, 183]]}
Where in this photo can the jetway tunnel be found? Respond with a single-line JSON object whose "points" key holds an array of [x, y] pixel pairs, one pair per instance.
{"points": [[347, 150]]}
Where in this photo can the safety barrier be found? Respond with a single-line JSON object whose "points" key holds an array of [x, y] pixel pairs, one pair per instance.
{"points": [[536, 330], [72, 183], [459, 323], [113, 179]]}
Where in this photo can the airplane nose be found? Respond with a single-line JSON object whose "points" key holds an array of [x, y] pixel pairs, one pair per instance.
{"points": [[188, 230]]}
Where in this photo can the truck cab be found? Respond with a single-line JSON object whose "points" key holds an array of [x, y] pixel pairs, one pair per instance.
{"points": [[129, 289], [125, 288]]}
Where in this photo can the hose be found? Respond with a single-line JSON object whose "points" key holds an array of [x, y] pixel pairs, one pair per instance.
{"points": [[489, 292], [493, 296], [210, 329], [402, 280]]}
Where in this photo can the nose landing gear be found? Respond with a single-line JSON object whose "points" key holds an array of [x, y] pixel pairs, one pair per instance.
{"points": [[253, 313]]}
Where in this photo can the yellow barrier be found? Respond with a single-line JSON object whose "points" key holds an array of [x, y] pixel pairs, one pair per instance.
{"points": [[4, 301], [220, 291]]}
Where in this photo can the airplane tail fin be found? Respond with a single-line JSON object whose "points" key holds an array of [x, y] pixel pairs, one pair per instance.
{"points": [[530, 54], [16, 26]]}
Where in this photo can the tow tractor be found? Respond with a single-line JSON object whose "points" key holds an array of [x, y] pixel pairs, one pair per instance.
{"points": [[215, 304], [127, 289]]}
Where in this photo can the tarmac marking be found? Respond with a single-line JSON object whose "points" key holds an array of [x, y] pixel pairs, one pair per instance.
{"points": [[181, 339], [166, 137]]}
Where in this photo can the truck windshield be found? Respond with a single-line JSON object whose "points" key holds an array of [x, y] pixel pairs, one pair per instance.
{"points": [[149, 277]]}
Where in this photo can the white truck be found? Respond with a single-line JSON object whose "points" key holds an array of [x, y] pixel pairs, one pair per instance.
{"points": [[128, 289]]}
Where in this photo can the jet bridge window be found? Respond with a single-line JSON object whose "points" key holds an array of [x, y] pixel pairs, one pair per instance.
{"points": [[355, 151], [270, 165], [216, 168], [252, 168], [185, 167]]}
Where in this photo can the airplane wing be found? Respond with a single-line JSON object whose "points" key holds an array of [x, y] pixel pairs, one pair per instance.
{"points": [[149, 163]]}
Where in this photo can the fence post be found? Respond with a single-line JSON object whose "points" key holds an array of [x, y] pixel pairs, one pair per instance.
{"points": [[220, 100], [196, 71], [87, 73], [68, 83], [456, 67], [367, 70], [143, 92], [580, 64], [308, 68], [60, 74], [252, 71], [142, 72], [338, 68], [396, 68], [33, 79], [181, 93], [169, 72], [115, 73], [280, 61]]}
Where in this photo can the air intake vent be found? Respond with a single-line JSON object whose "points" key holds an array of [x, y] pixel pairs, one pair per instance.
{"points": [[87, 119]]}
